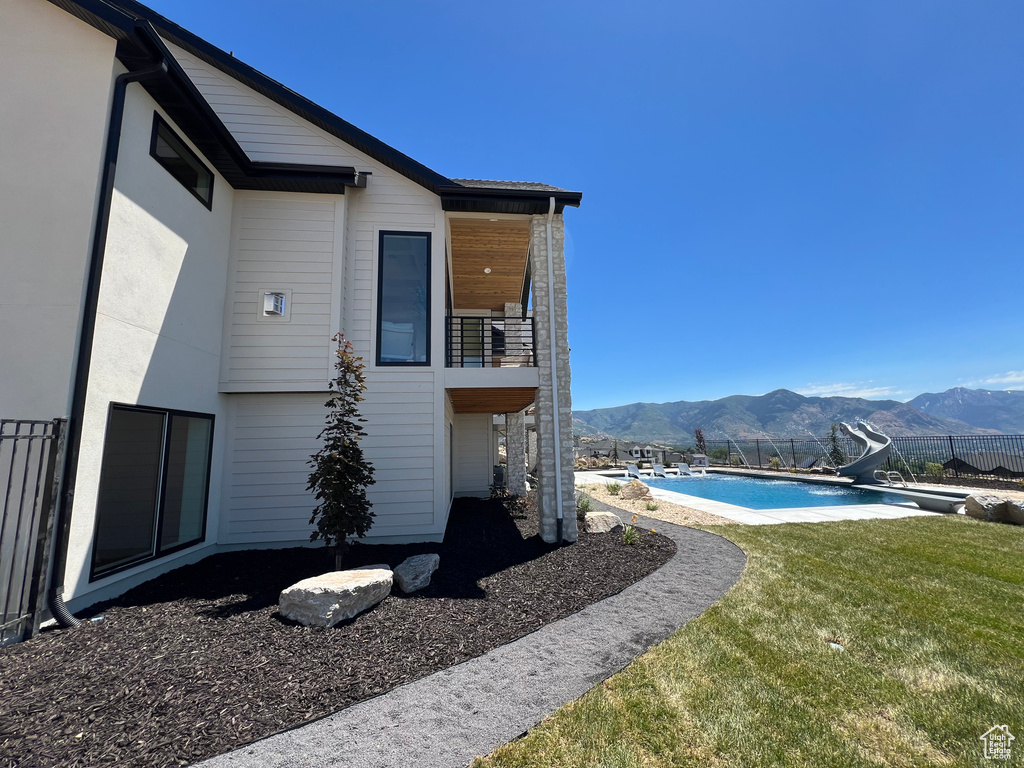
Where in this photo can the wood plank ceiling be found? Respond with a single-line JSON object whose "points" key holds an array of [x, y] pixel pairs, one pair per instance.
{"points": [[502, 247], [492, 400]]}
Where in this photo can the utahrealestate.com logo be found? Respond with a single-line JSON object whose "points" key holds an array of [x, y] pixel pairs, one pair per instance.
{"points": [[998, 740]]}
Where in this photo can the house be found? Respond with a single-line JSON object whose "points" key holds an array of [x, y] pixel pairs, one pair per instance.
{"points": [[996, 463], [181, 238]]}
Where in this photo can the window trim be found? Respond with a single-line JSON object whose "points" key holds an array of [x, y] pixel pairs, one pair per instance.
{"points": [[159, 121], [158, 553], [380, 295]]}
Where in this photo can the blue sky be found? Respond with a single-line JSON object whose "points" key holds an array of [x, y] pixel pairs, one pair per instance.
{"points": [[825, 197]]}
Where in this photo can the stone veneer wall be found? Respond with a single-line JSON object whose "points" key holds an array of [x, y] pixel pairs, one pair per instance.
{"points": [[531, 453], [544, 415], [515, 452]]}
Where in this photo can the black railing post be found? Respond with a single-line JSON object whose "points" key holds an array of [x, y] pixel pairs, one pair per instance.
{"points": [[952, 453], [792, 448], [448, 342]]}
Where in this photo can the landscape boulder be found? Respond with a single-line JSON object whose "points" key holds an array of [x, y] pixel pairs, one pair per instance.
{"points": [[323, 601], [994, 509], [1015, 512], [414, 573], [634, 490], [602, 522]]}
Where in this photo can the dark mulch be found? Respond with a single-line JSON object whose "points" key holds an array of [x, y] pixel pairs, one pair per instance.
{"points": [[198, 662]]}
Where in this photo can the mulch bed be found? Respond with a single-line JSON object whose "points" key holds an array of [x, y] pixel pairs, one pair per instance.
{"points": [[198, 661]]}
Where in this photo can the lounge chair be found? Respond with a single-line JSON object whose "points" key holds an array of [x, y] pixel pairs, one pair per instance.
{"points": [[632, 471], [659, 470], [684, 469]]}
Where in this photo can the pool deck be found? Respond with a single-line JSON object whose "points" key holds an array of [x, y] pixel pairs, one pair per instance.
{"points": [[749, 516]]}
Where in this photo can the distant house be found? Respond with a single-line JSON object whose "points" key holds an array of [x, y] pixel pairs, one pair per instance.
{"points": [[221, 229], [997, 463]]}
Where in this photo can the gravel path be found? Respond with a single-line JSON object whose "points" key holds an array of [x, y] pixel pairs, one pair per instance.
{"points": [[450, 717]]}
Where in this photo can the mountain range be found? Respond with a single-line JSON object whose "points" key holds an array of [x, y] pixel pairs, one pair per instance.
{"points": [[783, 413]]}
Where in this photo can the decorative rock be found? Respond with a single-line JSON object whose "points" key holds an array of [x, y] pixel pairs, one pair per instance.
{"points": [[323, 601], [634, 490], [986, 507], [602, 522], [414, 572], [1015, 512]]}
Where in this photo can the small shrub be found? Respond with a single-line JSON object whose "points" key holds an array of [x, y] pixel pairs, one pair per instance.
{"points": [[612, 488], [583, 505], [934, 470], [651, 506], [775, 463], [631, 535]]}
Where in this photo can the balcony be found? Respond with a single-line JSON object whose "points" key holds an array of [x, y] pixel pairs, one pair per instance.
{"points": [[489, 342], [490, 363]]}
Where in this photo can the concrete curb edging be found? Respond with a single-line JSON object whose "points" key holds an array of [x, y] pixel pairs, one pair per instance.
{"points": [[448, 718]]}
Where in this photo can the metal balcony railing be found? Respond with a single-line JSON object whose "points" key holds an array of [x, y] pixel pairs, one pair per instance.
{"points": [[489, 342]]}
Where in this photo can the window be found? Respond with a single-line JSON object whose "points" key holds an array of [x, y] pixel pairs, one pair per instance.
{"points": [[403, 299], [154, 484], [181, 162]]}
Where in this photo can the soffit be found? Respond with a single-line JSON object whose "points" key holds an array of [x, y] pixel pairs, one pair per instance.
{"points": [[479, 244], [492, 399]]}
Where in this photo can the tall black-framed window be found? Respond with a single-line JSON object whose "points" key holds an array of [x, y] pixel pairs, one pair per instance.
{"points": [[154, 486], [167, 148], [403, 299]]}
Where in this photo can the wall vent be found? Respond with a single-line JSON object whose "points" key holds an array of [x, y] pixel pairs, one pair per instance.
{"points": [[273, 304]]}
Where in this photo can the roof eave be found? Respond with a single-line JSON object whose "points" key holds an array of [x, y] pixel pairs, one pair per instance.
{"points": [[491, 200]]}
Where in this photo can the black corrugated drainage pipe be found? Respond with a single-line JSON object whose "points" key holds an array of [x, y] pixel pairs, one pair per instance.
{"points": [[55, 595]]}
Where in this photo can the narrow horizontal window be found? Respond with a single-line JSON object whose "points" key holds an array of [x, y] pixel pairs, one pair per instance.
{"points": [[154, 485], [181, 162]]}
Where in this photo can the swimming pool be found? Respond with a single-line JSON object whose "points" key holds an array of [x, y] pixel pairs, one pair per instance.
{"points": [[755, 493]]}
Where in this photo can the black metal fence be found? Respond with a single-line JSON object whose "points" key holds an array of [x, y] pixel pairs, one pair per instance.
{"points": [[30, 454], [489, 342], [998, 457]]}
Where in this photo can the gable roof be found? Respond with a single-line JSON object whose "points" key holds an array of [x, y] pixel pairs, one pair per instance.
{"points": [[139, 30]]}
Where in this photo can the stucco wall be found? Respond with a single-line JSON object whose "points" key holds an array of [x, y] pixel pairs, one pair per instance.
{"points": [[54, 105], [158, 329]]}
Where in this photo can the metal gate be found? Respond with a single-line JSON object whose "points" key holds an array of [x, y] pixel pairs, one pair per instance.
{"points": [[30, 453]]}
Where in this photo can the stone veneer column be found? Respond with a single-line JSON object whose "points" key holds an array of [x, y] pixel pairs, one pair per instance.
{"points": [[531, 451], [513, 330], [515, 452], [545, 417]]}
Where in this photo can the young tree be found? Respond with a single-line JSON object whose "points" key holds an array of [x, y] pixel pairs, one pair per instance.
{"points": [[614, 455], [340, 474], [698, 436], [836, 455]]}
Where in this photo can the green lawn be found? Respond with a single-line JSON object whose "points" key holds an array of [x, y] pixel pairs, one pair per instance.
{"points": [[930, 612]]}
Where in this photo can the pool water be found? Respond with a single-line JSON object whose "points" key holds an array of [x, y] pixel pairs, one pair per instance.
{"points": [[754, 493]]}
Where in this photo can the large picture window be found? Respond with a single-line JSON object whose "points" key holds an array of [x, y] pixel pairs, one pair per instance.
{"points": [[403, 299], [154, 484]]}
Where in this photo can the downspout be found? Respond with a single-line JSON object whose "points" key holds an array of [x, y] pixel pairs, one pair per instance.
{"points": [[55, 594], [554, 371]]}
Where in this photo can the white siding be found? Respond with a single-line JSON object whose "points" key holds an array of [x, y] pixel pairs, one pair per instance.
{"points": [[265, 130], [269, 132], [291, 242], [447, 463], [272, 436], [473, 463]]}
